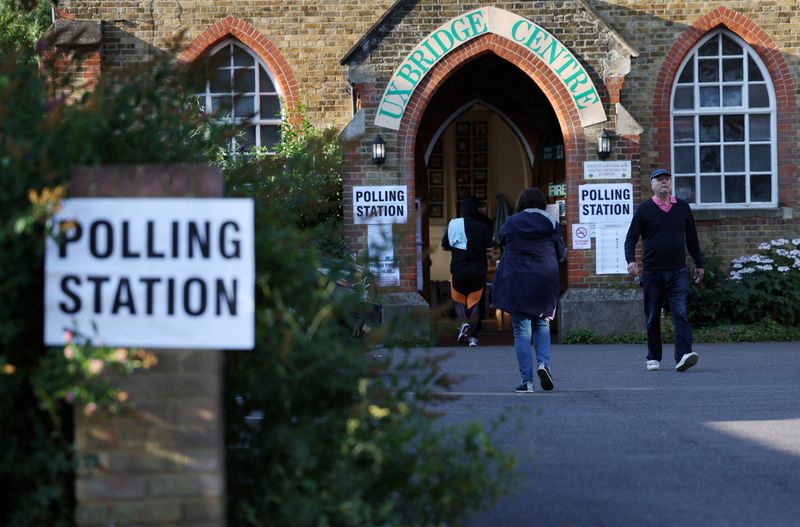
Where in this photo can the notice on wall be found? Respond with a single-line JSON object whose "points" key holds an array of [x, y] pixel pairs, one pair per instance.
{"points": [[581, 236], [376, 205], [606, 203], [607, 169], [380, 248], [611, 248], [152, 272]]}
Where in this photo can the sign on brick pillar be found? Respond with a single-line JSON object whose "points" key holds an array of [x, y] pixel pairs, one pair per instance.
{"points": [[162, 462]]}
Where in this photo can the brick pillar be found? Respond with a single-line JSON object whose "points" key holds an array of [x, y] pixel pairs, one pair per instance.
{"points": [[162, 463]]}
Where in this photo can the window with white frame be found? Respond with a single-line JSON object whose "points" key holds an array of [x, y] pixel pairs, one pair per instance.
{"points": [[241, 89], [724, 140]]}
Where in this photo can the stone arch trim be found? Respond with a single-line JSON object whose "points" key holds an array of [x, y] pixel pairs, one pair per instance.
{"points": [[779, 73], [232, 27], [571, 129]]}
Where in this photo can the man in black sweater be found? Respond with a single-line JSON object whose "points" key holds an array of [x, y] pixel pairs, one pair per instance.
{"points": [[667, 229]]}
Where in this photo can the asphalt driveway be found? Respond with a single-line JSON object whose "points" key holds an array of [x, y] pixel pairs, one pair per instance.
{"points": [[616, 445]]}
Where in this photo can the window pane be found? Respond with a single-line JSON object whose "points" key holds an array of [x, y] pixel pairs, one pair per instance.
{"points": [[758, 96], [709, 128], [246, 138], [732, 70], [733, 126], [270, 107], [220, 81], [710, 47], [709, 97], [264, 82], [241, 57], [270, 136], [244, 106], [221, 106], [220, 59], [731, 95], [759, 128], [687, 75], [734, 158], [684, 129], [244, 80], [684, 160], [684, 188], [753, 71], [710, 189], [684, 98], [730, 47], [709, 159], [760, 158], [735, 191], [761, 188], [708, 70]]}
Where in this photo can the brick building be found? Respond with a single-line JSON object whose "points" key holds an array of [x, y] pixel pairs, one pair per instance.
{"points": [[486, 99]]}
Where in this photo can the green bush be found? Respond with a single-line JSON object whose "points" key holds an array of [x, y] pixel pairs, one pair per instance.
{"points": [[322, 428], [148, 119]]}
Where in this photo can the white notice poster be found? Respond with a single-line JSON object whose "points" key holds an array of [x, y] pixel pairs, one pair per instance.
{"points": [[380, 248], [581, 236], [610, 240], [153, 273]]}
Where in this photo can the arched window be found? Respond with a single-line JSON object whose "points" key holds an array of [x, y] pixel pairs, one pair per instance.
{"points": [[724, 151], [241, 89]]}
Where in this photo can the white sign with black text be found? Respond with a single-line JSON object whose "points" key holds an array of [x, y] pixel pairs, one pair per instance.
{"points": [[377, 205], [611, 249], [153, 273], [605, 203], [606, 169], [581, 236]]}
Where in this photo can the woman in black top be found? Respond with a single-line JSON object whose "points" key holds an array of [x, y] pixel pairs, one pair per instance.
{"points": [[468, 239]]}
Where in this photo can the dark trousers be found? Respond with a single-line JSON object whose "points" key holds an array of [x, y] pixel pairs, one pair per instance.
{"points": [[673, 287]]}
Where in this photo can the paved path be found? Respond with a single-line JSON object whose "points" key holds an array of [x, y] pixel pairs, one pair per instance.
{"points": [[616, 445]]}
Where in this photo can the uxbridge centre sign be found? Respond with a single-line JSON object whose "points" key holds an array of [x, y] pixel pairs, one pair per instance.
{"points": [[153, 272], [471, 25]]}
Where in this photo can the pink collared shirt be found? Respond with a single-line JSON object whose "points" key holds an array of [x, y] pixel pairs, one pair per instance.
{"points": [[665, 206]]}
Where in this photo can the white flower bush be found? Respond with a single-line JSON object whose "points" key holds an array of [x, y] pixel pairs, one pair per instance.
{"points": [[767, 284]]}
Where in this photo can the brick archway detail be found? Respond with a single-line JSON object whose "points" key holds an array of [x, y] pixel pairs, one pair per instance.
{"points": [[779, 73], [555, 91], [232, 27]]}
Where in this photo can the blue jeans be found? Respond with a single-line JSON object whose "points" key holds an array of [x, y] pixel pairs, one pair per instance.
{"points": [[672, 286], [522, 343]]}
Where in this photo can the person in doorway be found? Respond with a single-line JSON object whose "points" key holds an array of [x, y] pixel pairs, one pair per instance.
{"points": [[526, 283], [468, 239], [666, 226]]}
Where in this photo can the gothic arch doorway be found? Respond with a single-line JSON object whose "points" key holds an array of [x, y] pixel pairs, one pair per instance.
{"points": [[488, 131]]}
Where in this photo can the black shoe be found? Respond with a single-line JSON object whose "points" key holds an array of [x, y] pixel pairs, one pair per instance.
{"points": [[545, 378], [525, 387]]}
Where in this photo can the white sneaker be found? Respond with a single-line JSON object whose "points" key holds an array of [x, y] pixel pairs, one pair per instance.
{"points": [[653, 365], [472, 342], [687, 361], [463, 331]]}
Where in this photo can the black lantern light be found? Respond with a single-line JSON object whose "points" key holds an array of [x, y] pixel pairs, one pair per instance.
{"points": [[603, 144], [378, 150]]}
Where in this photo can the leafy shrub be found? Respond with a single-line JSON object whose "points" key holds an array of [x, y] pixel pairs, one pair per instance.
{"points": [[148, 119], [767, 284], [708, 302], [322, 429]]}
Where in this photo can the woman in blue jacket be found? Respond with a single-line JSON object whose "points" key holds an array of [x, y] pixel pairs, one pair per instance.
{"points": [[526, 282]]}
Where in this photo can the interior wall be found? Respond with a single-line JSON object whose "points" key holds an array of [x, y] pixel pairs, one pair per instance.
{"points": [[509, 173]]}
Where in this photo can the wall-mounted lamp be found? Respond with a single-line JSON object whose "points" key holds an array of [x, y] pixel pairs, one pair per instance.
{"points": [[603, 144], [378, 150]]}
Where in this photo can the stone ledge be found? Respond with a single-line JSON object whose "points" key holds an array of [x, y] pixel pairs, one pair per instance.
{"points": [[735, 214], [601, 310]]}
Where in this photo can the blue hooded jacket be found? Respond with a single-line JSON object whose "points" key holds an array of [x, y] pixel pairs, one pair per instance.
{"points": [[526, 280]]}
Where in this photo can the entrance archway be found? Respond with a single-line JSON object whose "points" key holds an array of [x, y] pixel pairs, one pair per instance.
{"points": [[511, 87]]}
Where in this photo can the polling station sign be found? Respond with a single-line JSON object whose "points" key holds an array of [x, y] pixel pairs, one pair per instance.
{"points": [[152, 272], [608, 203], [379, 205]]}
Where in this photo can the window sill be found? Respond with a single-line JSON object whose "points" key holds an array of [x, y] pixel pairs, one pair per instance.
{"points": [[785, 213]]}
